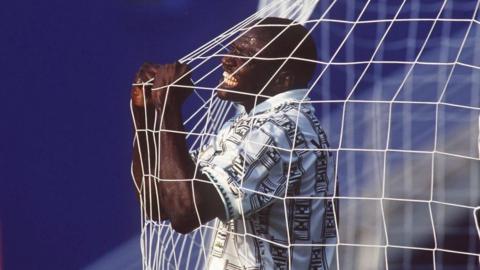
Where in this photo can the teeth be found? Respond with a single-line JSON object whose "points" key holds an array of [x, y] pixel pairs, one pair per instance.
{"points": [[229, 79]]}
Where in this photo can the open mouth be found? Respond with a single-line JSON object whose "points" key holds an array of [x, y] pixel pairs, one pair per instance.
{"points": [[229, 80]]}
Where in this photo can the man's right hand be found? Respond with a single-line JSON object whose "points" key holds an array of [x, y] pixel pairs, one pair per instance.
{"points": [[143, 107], [161, 77], [142, 95]]}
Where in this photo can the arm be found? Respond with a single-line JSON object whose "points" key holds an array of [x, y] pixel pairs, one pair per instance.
{"points": [[172, 200]]}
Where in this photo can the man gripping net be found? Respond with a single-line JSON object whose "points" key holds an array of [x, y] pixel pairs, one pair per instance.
{"points": [[266, 174]]}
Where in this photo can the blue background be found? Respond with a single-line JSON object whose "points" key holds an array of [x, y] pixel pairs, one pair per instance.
{"points": [[66, 196]]}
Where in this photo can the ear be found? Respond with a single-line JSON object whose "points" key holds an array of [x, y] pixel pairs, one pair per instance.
{"points": [[284, 79]]}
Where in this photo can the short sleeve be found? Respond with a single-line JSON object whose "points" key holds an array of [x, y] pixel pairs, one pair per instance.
{"points": [[247, 169]]}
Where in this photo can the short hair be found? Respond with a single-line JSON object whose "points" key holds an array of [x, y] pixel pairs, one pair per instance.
{"points": [[283, 45]]}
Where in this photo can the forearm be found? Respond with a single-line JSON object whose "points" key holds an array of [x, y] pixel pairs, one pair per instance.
{"points": [[162, 168], [145, 163], [163, 171], [190, 200], [179, 197]]}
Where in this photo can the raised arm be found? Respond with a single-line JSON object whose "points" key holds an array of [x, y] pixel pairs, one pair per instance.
{"points": [[165, 156]]}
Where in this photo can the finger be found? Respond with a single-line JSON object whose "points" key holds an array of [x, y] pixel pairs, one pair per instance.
{"points": [[171, 75], [141, 76], [153, 68], [147, 71], [138, 98], [183, 71], [157, 98], [138, 78], [159, 78], [148, 74], [180, 68]]}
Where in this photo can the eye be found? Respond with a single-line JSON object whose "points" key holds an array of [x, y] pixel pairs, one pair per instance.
{"points": [[233, 50]]}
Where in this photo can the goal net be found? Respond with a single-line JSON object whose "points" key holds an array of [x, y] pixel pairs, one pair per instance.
{"points": [[397, 90]]}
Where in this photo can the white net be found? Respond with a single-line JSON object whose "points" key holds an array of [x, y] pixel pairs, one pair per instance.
{"points": [[397, 90]]}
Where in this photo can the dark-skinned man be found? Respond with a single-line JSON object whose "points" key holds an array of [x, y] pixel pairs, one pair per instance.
{"points": [[259, 174]]}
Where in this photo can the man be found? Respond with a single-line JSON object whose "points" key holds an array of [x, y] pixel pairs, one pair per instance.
{"points": [[259, 173]]}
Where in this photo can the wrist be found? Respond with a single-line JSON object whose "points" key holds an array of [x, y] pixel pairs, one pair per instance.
{"points": [[143, 117], [172, 117], [171, 107]]}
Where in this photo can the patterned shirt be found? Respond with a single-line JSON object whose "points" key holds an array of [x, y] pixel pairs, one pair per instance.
{"points": [[266, 165]]}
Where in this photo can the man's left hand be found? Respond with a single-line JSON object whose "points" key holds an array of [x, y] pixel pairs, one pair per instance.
{"points": [[177, 74]]}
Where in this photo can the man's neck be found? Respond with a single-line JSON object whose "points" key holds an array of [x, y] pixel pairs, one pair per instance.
{"points": [[253, 102]]}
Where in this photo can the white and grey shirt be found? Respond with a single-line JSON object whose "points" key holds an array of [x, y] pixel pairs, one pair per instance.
{"points": [[267, 165]]}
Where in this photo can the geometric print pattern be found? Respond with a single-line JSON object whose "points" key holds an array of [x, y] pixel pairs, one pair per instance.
{"points": [[265, 165]]}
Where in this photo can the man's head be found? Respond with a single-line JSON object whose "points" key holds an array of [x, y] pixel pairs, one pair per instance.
{"points": [[274, 38]]}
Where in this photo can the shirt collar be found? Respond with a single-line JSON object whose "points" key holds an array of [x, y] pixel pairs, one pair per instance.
{"points": [[287, 96]]}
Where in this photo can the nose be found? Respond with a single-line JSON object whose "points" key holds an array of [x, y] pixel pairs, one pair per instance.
{"points": [[228, 63]]}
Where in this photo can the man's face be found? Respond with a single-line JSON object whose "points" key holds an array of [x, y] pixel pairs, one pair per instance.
{"points": [[248, 78]]}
